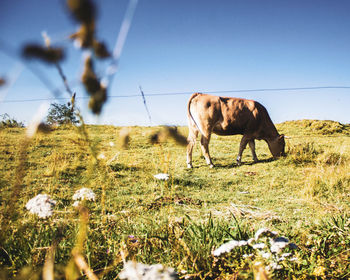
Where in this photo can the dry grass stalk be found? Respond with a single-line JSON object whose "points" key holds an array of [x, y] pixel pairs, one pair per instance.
{"points": [[82, 265], [83, 227], [48, 269], [260, 273], [71, 272], [72, 102]]}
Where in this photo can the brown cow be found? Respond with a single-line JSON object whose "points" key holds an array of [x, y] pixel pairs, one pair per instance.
{"points": [[209, 114]]}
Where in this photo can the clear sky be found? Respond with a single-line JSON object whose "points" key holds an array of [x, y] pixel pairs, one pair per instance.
{"points": [[187, 46]]}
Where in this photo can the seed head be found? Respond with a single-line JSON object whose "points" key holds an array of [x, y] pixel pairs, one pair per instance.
{"points": [[83, 11], [100, 49], [48, 55], [85, 35]]}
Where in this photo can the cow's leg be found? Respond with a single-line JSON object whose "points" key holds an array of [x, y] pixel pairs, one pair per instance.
{"points": [[242, 146], [205, 149], [252, 148], [192, 136]]}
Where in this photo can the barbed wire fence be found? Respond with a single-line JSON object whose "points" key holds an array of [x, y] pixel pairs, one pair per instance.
{"points": [[133, 95]]}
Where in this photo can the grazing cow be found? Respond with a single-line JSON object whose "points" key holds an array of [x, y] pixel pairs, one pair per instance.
{"points": [[209, 114]]}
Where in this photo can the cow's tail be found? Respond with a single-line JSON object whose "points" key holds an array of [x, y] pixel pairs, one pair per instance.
{"points": [[189, 114]]}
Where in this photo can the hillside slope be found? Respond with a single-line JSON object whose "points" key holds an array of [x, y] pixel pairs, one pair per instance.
{"points": [[178, 222]]}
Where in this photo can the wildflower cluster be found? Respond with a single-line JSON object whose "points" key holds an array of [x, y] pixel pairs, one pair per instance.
{"points": [[266, 244], [139, 271], [41, 205], [84, 194], [162, 176]]}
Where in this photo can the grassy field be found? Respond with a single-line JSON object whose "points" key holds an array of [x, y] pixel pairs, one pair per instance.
{"points": [[179, 222]]}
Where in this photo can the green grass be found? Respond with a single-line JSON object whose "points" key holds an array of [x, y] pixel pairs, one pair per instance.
{"points": [[304, 196]]}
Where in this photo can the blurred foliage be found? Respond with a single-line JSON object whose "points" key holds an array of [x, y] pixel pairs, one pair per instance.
{"points": [[7, 121]]}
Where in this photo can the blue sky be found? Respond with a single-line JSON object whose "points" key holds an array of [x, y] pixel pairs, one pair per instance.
{"points": [[188, 46]]}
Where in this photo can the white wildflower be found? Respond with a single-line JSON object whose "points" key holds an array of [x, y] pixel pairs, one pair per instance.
{"points": [[245, 256], [251, 241], [84, 194], [161, 176], [286, 255], [139, 271], [76, 204], [264, 232], [274, 266], [259, 246], [111, 217], [41, 205], [242, 243], [266, 255], [101, 156], [111, 144], [229, 246]]}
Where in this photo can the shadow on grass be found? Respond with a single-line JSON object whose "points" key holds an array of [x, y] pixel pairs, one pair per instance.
{"points": [[190, 181], [234, 164], [174, 200], [122, 167], [259, 161]]}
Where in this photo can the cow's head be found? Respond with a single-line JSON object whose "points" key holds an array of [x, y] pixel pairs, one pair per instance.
{"points": [[277, 146]]}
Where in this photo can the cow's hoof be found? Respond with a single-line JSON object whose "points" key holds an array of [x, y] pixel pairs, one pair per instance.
{"points": [[189, 166], [238, 163], [211, 166]]}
